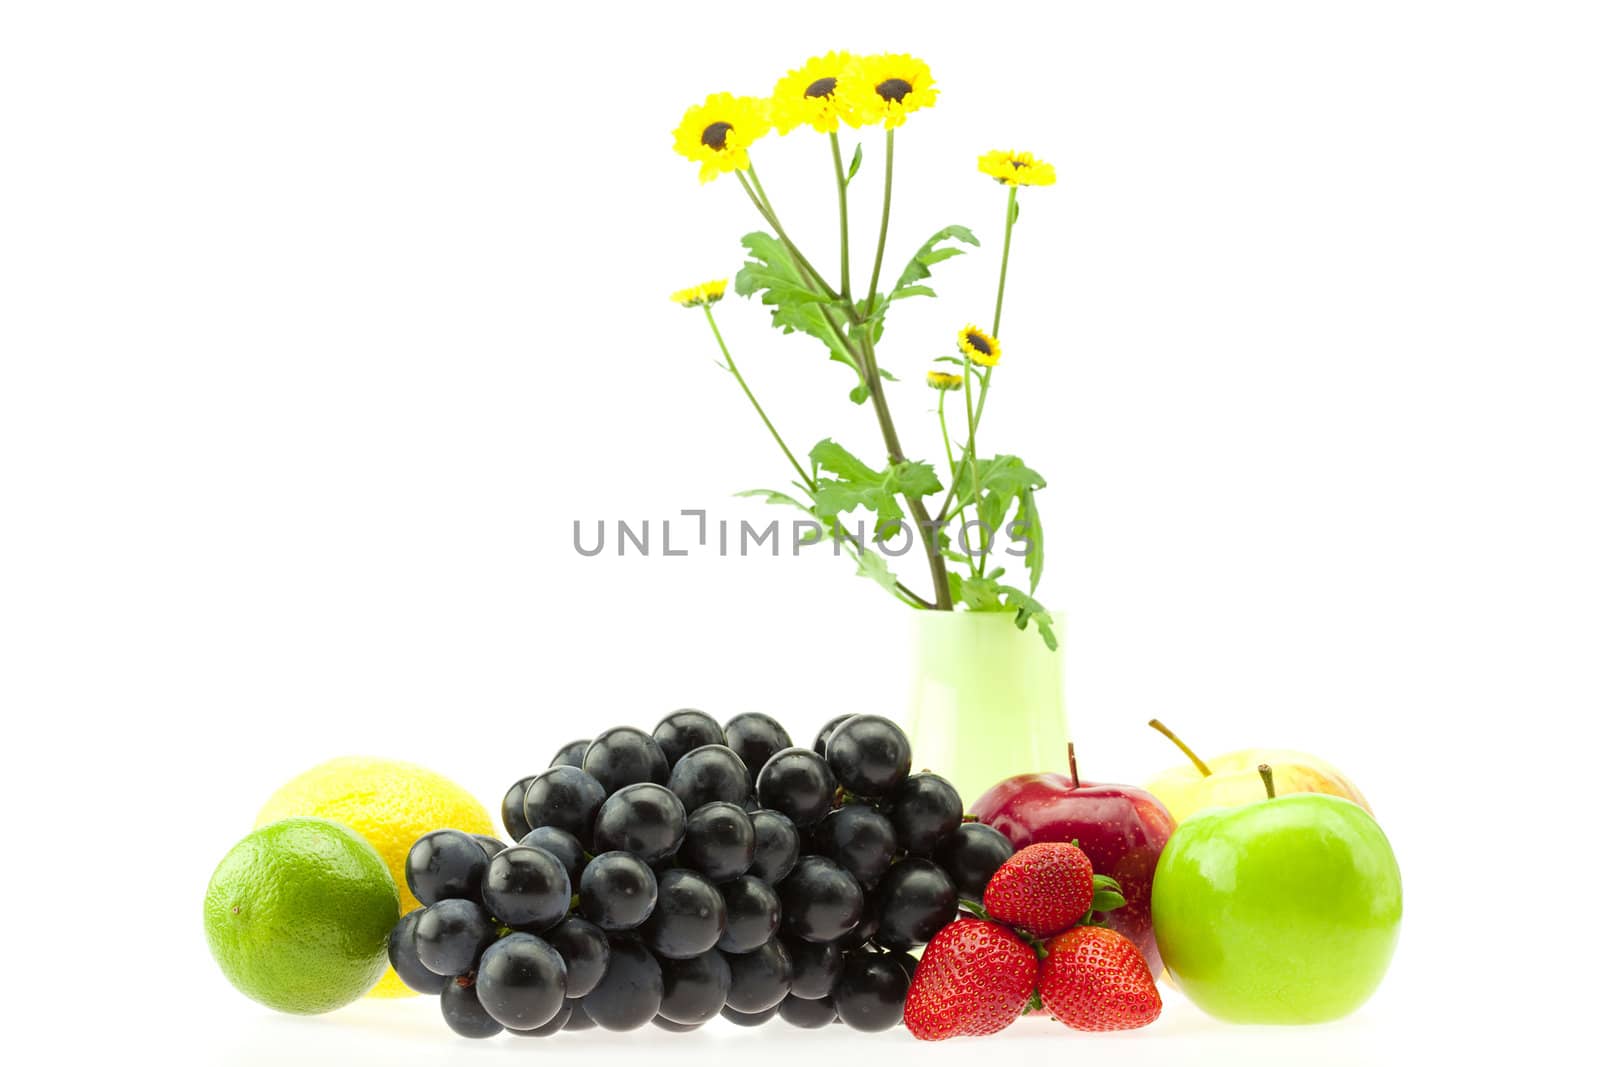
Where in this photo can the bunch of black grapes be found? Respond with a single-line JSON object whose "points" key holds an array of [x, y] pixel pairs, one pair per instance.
{"points": [[698, 870]]}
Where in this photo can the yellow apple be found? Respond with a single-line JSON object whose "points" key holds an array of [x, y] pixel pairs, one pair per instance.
{"points": [[1232, 779]]}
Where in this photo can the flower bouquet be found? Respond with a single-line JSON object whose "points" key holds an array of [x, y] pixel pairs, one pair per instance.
{"points": [[958, 507]]}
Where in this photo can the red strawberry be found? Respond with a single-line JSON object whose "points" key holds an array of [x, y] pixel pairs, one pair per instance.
{"points": [[975, 978], [1042, 890], [1096, 979]]}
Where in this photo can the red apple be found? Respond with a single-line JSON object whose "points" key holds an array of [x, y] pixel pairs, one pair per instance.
{"points": [[1121, 828]]}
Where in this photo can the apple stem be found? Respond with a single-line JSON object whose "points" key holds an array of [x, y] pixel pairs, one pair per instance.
{"points": [[1200, 764], [1266, 776], [1072, 763]]}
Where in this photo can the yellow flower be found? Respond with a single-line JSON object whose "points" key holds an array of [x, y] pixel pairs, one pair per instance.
{"points": [[979, 346], [811, 95], [717, 133], [1016, 168], [943, 382], [701, 295], [885, 88]]}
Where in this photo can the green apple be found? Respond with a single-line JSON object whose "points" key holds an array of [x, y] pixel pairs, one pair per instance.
{"points": [[1286, 910]]}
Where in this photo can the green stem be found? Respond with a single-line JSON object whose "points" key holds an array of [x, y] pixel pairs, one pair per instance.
{"points": [[1005, 261], [905, 595], [972, 462], [883, 226], [926, 530], [844, 219], [758, 196], [805, 476], [944, 432]]}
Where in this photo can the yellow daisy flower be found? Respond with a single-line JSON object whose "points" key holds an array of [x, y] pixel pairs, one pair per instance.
{"points": [[885, 88], [1016, 168], [943, 382], [979, 346], [717, 133], [701, 295], [810, 96]]}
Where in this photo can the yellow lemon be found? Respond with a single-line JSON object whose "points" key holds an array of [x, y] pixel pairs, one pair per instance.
{"points": [[389, 803]]}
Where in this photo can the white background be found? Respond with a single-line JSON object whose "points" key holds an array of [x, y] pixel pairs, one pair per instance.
{"points": [[321, 323]]}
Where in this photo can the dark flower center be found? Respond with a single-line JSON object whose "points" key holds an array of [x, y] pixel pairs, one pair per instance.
{"points": [[822, 87], [715, 136], [894, 89], [1016, 164], [980, 344]]}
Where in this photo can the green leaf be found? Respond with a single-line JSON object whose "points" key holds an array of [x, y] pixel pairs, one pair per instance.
{"points": [[1033, 530], [931, 252], [857, 485], [1006, 475], [912, 290], [1016, 211], [1030, 610], [796, 306], [772, 496], [855, 164], [871, 565], [1106, 900]]}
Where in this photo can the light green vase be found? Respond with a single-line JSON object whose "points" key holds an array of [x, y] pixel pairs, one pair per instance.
{"points": [[987, 700]]}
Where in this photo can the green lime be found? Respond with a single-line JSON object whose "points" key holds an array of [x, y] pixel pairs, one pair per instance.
{"points": [[298, 915]]}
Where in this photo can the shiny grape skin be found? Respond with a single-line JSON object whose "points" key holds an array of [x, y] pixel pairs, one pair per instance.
{"points": [[971, 855], [871, 992], [739, 1018], [567, 798], [492, 846], [521, 982], [629, 995], [798, 783], [720, 842], [674, 1028], [403, 957], [689, 917], [761, 978], [584, 948], [926, 810], [527, 888], [916, 900], [451, 934], [571, 754], [623, 756], [445, 864], [808, 1014], [753, 914], [554, 1026], [777, 846], [755, 737], [458, 1002], [560, 844], [820, 745], [820, 900], [870, 756], [695, 989], [645, 819], [859, 839], [579, 1019], [685, 730], [511, 816], [708, 774], [617, 891], [816, 967]]}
